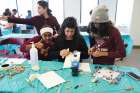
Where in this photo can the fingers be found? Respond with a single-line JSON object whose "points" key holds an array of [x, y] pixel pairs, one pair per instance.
{"points": [[3, 17], [97, 54], [64, 53], [39, 45], [91, 50]]}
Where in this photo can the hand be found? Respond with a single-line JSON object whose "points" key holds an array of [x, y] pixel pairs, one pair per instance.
{"points": [[44, 52], [56, 35], [99, 54], [3, 17], [64, 53], [91, 50], [39, 45], [8, 25]]}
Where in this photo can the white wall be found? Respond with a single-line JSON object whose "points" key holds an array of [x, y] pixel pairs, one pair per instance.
{"points": [[57, 9], [11, 4], [135, 23], [86, 7], [21, 7], [72, 8]]}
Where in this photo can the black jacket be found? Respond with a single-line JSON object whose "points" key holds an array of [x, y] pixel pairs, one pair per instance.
{"points": [[75, 44]]}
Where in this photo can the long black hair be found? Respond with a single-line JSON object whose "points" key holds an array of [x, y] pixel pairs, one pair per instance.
{"points": [[44, 4], [102, 30], [69, 22]]}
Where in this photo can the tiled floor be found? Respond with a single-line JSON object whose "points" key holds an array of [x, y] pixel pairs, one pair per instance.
{"points": [[131, 60]]}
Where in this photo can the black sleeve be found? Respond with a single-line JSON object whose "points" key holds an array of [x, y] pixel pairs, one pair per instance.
{"points": [[84, 49], [92, 41], [88, 28]]}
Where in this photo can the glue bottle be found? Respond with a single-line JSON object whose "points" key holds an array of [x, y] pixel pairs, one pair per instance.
{"points": [[34, 57]]}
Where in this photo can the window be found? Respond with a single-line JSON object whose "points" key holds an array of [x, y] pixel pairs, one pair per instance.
{"points": [[11, 4], [57, 9], [23, 7], [86, 7], [123, 17]]}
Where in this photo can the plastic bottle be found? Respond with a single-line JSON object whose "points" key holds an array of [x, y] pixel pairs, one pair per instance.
{"points": [[34, 57], [75, 63]]}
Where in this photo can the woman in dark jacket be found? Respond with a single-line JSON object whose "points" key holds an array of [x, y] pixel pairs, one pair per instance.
{"points": [[69, 40]]}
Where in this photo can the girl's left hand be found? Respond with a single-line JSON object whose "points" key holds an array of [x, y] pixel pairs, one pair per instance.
{"points": [[64, 52], [99, 54]]}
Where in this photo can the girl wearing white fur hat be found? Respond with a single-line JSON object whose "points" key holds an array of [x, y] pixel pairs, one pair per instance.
{"points": [[43, 43], [108, 44]]}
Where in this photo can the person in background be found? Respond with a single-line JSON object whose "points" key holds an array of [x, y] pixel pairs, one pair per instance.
{"points": [[8, 26], [7, 12], [4, 23], [45, 17], [43, 43], [29, 15], [69, 40], [14, 14], [108, 43]]}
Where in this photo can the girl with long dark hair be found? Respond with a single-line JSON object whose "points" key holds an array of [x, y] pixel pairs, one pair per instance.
{"points": [[69, 40], [108, 44]]}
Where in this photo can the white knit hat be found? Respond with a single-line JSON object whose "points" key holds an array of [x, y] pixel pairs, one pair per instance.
{"points": [[46, 29], [100, 14]]}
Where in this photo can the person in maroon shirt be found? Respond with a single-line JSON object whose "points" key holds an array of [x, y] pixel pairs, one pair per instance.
{"points": [[108, 44], [44, 18], [43, 43]]}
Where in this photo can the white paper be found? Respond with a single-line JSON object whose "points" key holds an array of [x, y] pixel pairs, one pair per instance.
{"points": [[68, 60], [85, 67], [50, 79], [70, 57], [15, 61]]}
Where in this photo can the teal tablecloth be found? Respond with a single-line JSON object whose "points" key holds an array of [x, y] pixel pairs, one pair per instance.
{"points": [[18, 83]]}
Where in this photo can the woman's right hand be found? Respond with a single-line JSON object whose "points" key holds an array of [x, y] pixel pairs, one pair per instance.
{"points": [[64, 53], [91, 50], [39, 45], [3, 17]]}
